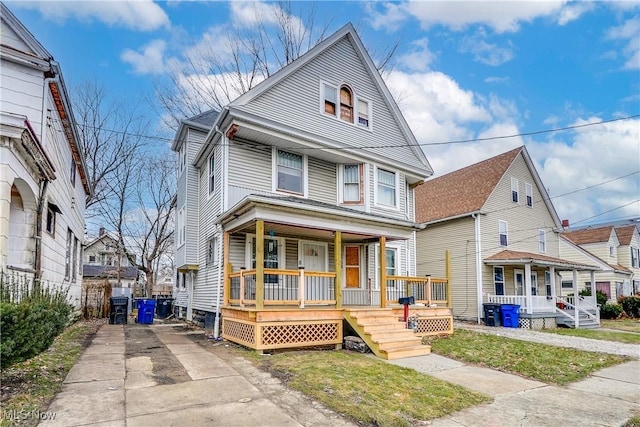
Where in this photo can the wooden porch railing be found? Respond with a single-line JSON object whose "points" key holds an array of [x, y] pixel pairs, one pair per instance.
{"points": [[429, 291]]}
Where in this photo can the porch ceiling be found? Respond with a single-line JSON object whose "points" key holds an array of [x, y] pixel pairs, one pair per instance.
{"points": [[507, 257]]}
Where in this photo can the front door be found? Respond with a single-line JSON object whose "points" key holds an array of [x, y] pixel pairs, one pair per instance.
{"points": [[314, 256], [519, 281], [352, 266]]}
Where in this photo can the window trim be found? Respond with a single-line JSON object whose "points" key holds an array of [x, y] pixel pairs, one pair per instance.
{"points": [[351, 106], [181, 228], [496, 282], [355, 99], [282, 254], [635, 257], [394, 247], [342, 184], [515, 193], [274, 171], [212, 251], [528, 189], [506, 233], [376, 200], [211, 173], [542, 241], [50, 219]]}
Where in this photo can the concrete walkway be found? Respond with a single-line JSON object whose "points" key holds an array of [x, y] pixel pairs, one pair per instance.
{"points": [[114, 384]]}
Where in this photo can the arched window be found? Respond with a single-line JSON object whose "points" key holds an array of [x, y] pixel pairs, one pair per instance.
{"points": [[346, 104]]}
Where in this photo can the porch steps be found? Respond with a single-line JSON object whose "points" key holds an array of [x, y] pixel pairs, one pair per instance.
{"points": [[385, 333], [585, 322]]}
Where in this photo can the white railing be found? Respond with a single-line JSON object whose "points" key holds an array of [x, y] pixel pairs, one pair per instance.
{"points": [[539, 304]]}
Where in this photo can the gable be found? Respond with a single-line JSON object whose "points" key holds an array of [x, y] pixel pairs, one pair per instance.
{"points": [[295, 102], [16, 36]]}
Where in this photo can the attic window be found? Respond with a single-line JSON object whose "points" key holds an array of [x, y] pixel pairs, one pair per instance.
{"points": [[329, 99], [528, 188], [514, 190], [353, 109], [346, 104]]}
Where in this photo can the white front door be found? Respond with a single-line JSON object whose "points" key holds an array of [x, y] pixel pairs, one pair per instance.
{"points": [[518, 279], [313, 256]]}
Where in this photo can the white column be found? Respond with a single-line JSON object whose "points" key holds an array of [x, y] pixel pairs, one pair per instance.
{"points": [[552, 279], [574, 280], [527, 287], [593, 285]]}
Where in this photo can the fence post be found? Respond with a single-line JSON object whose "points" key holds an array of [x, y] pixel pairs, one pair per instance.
{"points": [[242, 287], [301, 286], [447, 255], [428, 290]]}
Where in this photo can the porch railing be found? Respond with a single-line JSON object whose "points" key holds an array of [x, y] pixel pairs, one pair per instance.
{"points": [[426, 290], [284, 287], [539, 304]]}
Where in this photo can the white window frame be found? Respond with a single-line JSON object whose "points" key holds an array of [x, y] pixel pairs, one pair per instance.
{"points": [[181, 227], [324, 245], [611, 252], [542, 241], [211, 169], [356, 107], [282, 258], [397, 189], [342, 183], [547, 282], [503, 281], [68, 254], [305, 173], [635, 257], [515, 193], [212, 251], [500, 233], [392, 247], [528, 189]]}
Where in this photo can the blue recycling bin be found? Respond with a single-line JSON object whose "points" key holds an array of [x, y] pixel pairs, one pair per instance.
{"points": [[510, 315], [146, 309]]}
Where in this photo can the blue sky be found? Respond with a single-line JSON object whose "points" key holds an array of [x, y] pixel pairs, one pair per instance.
{"points": [[463, 70]]}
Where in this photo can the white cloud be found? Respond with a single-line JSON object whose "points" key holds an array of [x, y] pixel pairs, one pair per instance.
{"points": [[573, 11], [490, 54], [628, 32], [251, 14], [138, 15], [148, 60], [419, 58], [501, 16], [587, 157], [390, 18], [496, 79]]}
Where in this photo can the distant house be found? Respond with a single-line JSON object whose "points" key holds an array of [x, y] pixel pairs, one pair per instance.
{"points": [[43, 179], [614, 248], [295, 210], [501, 231], [104, 259]]}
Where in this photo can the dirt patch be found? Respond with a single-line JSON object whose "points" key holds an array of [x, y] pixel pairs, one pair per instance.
{"points": [[141, 341]]}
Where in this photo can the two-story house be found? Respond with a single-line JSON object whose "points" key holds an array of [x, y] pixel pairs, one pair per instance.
{"points": [[629, 255], [295, 204], [43, 179], [500, 230], [605, 246], [104, 259]]}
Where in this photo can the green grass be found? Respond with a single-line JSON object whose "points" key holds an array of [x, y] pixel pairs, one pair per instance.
{"points": [[31, 385], [629, 325], [633, 421], [369, 390], [598, 334], [548, 364]]}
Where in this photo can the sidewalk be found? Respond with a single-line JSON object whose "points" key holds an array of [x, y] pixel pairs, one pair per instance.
{"points": [[162, 377]]}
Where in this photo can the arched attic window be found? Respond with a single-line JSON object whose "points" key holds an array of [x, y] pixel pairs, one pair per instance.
{"points": [[346, 104]]}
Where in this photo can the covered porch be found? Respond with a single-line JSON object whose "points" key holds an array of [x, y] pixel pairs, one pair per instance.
{"points": [[532, 282], [292, 269]]}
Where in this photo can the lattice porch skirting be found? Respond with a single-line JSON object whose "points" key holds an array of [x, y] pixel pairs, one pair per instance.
{"points": [[271, 335], [434, 325]]}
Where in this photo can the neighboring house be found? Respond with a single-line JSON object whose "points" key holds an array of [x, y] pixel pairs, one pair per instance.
{"points": [[501, 231], [43, 179], [615, 249], [287, 198], [105, 259]]}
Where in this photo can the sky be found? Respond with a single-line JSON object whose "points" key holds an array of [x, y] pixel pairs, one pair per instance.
{"points": [[479, 71]]}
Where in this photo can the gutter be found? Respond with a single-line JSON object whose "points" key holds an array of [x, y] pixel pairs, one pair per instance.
{"points": [[221, 267], [476, 217]]}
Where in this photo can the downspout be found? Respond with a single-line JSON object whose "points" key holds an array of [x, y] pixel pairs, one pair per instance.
{"points": [[37, 262], [221, 268], [476, 217]]}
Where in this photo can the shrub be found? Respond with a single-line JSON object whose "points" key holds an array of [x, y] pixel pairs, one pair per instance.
{"points": [[610, 311], [601, 297], [631, 306]]}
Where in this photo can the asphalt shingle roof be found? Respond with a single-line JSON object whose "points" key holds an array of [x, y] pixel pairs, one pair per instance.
{"points": [[462, 191], [625, 234], [589, 235]]}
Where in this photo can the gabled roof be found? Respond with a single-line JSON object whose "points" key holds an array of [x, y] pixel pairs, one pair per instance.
{"points": [[100, 238], [511, 257], [203, 121], [589, 235], [625, 234], [463, 191], [617, 268], [109, 272]]}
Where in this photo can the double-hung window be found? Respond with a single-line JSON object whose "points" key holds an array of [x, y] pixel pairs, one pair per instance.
{"points": [[290, 172], [352, 187], [386, 188], [542, 241], [330, 99], [212, 170], [498, 280], [514, 190], [212, 251], [363, 113], [528, 189], [503, 231], [635, 257]]}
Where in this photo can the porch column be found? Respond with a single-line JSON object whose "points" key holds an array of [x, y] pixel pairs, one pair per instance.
{"points": [[5, 209], [552, 283], [447, 268], [226, 287], [527, 287], [337, 261], [574, 279], [259, 264], [383, 272], [593, 284]]}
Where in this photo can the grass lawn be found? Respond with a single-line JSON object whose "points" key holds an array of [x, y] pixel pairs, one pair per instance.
{"points": [[551, 365], [598, 334], [29, 386], [629, 325], [367, 389]]}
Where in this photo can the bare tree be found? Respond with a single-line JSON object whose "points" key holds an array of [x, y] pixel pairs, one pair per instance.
{"points": [[111, 132]]}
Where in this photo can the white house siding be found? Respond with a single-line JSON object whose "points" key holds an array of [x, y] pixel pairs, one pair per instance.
{"points": [[21, 92], [456, 236], [191, 218], [295, 102], [322, 181], [624, 257], [601, 250]]}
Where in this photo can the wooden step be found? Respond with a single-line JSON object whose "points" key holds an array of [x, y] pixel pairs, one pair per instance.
{"points": [[387, 343], [375, 327], [402, 352]]}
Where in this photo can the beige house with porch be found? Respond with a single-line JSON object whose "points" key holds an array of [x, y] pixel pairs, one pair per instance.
{"points": [[502, 232]]}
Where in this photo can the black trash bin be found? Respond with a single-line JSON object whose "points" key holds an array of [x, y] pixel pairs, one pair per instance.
{"points": [[163, 307], [118, 310], [492, 314]]}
